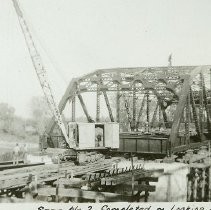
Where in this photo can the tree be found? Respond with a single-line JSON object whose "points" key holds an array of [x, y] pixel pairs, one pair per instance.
{"points": [[40, 113], [18, 127], [7, 114]]}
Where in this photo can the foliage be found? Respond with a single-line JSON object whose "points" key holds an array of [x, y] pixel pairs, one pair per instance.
{"points": [[7, 156], [7, 114], [9, 122], [40, 113], [20, 127]]}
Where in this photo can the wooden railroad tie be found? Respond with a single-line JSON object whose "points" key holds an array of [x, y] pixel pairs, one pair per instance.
{"points": [[18, 177], [126, 177], [119, 186], [85, 194]]}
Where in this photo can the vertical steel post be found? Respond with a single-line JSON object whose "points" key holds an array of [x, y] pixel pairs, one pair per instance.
{"points": [[134, 108], [127, 108], [195, 113], [98, 104], [118, 104], [206, 105], [147, 110], [140, 112], [187, 120], [159, 117], [201, 109], [154, 116], [73, 109]]}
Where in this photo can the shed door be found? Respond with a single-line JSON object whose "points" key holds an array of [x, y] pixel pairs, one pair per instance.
{"points": [[108, 135], [112, 135], [86, 135], [115, 142]]}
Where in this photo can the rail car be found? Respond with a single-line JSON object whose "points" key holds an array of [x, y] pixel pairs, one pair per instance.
{"points": [[157, 143], [101, 138]]}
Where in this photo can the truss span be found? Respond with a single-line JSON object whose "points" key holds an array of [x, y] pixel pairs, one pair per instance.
{"points": [[161, 102]]}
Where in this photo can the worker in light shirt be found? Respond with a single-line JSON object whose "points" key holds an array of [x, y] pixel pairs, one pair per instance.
{"points": [[25, 153], [16, 153]]}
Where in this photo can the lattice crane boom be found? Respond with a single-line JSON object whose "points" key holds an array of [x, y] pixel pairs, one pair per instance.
{"points": [[41, 73]]}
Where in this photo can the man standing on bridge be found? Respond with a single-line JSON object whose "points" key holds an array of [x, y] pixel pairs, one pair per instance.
{"points": [[16, 152]]}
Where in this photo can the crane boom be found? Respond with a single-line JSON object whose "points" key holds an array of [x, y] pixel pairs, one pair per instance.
{"points": [[41, 74]]}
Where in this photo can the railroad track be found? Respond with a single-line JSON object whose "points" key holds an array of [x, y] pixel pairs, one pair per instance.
{"points": [[4, 167], [18, 178], [103, 180], [98, 175]]}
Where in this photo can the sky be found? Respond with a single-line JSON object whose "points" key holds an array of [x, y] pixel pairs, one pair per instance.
{"points": [[75, 37]]}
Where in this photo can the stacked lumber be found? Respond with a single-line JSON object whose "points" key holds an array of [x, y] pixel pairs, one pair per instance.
{"points": [[14, 178], [115, 184]]}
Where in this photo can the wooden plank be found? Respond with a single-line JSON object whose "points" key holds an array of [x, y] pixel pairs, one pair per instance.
{"points": [[156, 170], [77, 193], [50, 175], [9, 162], [71, 182], [137, 187], [149, 179], [5, 167], [46, 168], [51, 169], [200, 165], [123, 178]]}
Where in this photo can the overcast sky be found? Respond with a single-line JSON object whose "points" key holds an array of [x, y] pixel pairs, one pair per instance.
{"points": [[77, 37]]}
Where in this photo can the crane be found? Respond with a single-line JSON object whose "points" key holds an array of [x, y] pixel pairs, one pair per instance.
{"points": [[42, 74]]}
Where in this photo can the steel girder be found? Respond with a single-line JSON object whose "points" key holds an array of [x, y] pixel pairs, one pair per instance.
{"points": [[184, 94], [167, 85]]}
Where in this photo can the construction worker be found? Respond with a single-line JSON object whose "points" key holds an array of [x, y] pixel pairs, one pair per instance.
{"points": [[99, 141], [16, 153], [25, 153], [99, 137]]}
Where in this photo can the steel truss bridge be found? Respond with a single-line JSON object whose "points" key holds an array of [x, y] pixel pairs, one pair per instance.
{"points": [[159, 109]]}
